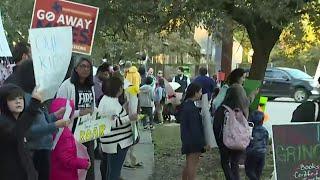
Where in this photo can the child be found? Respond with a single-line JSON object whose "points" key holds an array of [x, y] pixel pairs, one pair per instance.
{"points": [[64, 160], [15, 120], [146, 102], [159, 99], [257, 149], [191, 129]]}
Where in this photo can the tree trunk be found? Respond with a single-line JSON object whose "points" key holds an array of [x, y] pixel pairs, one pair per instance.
{"points": [[227, 44], [263, 37]]}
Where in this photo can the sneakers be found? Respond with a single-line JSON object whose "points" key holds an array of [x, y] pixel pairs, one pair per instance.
{"points": [[138, 165], [129, 166]]}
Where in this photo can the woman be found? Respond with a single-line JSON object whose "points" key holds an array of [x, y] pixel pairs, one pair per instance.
{"points": [[79, 87], [192, 134], [235, 98], [116, 144], [15, 120]]}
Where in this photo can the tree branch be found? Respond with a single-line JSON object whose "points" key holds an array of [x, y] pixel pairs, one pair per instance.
{"points": [[237, 14]]}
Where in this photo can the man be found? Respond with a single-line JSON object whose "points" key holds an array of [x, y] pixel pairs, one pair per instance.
{"points": [[150, 74], [208, 85], [20, 53], [103, 73], [184, 82], [182, 79]]}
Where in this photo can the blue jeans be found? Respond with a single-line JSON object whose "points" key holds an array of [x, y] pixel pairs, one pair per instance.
{"points": [[111, 164], [254, 165]]}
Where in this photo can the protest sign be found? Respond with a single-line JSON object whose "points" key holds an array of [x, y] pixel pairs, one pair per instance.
{"points": [[4, 47], [250, 86], [296, 150], [92, 126], [82, 18], [51, 53]]}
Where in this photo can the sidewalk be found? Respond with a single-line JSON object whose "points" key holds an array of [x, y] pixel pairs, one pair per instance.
{"points": [[144, 151]]}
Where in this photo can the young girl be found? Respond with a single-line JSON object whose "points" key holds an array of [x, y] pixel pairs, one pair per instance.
{"points": [[15, 120], [64, 160], [192, 135]]}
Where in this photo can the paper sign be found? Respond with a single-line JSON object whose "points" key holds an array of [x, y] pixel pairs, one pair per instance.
{"points": [[82, 18], [91, 127], [4, 47], [250, 86], [66, 116], [51, 53]]}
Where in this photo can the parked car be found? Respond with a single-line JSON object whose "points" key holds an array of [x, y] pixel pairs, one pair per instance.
{"points": [[288, 82]]}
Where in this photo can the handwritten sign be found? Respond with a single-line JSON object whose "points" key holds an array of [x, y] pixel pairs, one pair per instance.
{"points": [[51, 53], [91, 127], [4, 47], [82, 18], [296, 150]]}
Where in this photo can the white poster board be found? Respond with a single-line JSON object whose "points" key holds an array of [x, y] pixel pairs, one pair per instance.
{"points": [[91, 127], [51, 53], [4, 47]]}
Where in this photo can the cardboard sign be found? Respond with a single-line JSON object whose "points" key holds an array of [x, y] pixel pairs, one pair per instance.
{"points": [[4, 47], [91, 127], [296, 150], [250, 86], [82, 18], [51, 53]]}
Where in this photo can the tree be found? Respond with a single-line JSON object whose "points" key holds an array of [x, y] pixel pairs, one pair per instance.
{"points": [[264, 20]]}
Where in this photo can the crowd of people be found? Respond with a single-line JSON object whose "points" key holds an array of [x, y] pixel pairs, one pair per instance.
{"points": [[38, 142], [230, 95]]}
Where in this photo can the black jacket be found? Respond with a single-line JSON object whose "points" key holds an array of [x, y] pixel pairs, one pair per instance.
{"points": [[259, 141], [15, 160]]}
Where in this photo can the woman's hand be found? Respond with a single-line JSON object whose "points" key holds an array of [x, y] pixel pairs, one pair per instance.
{"points": [[86, 111], [62, 123]]}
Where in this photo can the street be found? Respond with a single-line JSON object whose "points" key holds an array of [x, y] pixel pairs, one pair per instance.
{"points": [[280, 112]]}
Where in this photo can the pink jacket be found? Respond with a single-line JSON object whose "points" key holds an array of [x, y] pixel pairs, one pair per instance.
{"points": [[64, 160]]}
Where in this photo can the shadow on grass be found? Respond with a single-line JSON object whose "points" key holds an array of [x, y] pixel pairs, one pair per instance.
{"points": [[169, 161]]}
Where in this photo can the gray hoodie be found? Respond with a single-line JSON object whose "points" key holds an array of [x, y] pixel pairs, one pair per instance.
{"points": [[146, 96]]}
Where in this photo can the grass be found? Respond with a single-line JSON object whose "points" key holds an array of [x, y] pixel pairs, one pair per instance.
{"points": [[169, 161]]}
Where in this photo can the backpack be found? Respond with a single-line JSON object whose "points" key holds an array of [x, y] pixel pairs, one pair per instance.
{"points": [[236, 130], [177, 113]]}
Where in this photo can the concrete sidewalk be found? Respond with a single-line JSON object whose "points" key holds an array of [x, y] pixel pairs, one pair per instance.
{"points": [[144, 151]]}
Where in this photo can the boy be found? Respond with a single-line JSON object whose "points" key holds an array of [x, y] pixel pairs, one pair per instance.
{"points": [[146, 97], [257, 149]]}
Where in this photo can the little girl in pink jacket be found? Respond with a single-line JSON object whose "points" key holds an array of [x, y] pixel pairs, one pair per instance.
{"points": [[64, 160]]}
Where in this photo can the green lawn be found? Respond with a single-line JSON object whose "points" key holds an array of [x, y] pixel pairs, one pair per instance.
{"points": [[169, 162]]}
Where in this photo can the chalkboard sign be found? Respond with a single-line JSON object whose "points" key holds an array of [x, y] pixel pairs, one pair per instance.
{"points": [[296, 150]]}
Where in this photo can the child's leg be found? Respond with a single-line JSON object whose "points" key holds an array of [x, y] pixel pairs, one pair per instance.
{"points": [[251, 166], [150, 115], [190, 171], [144, 120], [260, 165]]}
